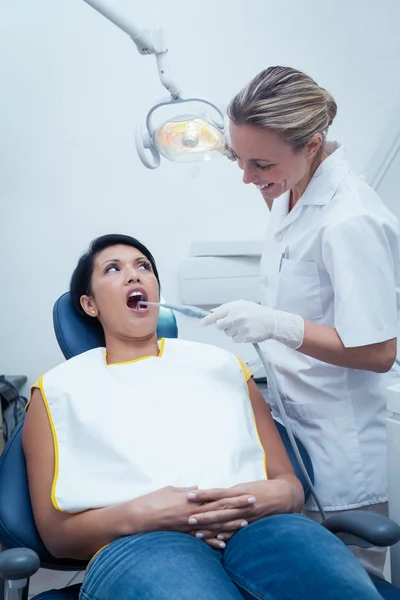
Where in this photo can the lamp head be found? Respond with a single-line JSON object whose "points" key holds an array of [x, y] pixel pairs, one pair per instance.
{"points": [[198, 135]]}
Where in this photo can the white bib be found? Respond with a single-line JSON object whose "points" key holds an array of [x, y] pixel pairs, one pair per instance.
{"points": [[123, 430]]}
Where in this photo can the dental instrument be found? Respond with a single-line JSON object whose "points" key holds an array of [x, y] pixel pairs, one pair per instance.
{"points": [[197, 135], [198, 313], [189, 311]]}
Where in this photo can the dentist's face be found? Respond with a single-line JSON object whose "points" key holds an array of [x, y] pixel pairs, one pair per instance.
{"points": [[268, 161]]}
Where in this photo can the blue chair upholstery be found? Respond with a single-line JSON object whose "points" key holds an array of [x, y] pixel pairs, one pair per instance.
{"points": [[75, 335], [17, 527]]}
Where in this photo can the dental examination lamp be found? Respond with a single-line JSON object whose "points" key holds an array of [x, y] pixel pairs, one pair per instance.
{"points": [[181, 130]]}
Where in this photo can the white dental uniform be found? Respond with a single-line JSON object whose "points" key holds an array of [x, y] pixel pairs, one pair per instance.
{"points": [[334, 259]]}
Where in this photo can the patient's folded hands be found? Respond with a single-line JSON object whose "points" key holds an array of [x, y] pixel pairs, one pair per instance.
{"points": [[230, 509], [212, 515]]}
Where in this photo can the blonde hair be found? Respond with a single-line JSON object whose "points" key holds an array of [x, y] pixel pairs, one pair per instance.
{"points": [[286, 101]]}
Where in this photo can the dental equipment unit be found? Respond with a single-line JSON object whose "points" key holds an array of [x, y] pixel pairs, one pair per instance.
{"points": [[197, 313], [196, 135]]}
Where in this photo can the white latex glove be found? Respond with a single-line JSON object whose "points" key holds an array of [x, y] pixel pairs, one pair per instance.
{"points": [[249, 322]]}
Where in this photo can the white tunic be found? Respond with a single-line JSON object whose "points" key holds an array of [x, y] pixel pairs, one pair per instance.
{"points": [[123, 430], [334, 259]]}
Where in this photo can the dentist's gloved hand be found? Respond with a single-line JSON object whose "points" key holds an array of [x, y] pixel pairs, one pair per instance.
{"points": [[249, 322]]}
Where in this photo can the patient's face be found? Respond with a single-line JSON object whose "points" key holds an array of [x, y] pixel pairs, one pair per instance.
{"points": [[122, 276]]}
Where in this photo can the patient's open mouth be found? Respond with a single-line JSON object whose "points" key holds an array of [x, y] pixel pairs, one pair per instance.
{"points": [[134, 297]]}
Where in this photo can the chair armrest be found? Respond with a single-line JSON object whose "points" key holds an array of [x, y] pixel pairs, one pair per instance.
{"points": [[373, 528], [18, 563]]}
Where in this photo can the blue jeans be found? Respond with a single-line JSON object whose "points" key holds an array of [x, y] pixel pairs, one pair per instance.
{"points": [[283, 557]]}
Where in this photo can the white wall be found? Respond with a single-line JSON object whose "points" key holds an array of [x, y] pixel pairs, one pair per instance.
{"points": [[72, 86], [389, 188], [383, 170]]}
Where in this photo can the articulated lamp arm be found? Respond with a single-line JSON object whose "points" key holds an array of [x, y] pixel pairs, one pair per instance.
{"points": [[147, 41]]}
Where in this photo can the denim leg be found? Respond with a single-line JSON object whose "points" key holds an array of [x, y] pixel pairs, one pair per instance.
{"points": [[289, 556], [158, 566]]}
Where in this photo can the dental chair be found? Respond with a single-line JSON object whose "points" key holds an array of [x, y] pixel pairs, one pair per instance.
{"points": [[24, 552]]}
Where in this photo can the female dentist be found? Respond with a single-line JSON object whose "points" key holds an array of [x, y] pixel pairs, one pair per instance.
{"points": [[330, 268]]}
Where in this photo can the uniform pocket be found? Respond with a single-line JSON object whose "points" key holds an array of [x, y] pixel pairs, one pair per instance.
{"points": [[299, 290]]}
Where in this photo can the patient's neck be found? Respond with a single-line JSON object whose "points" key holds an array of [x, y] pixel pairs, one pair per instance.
{"points": [[124, 350]]}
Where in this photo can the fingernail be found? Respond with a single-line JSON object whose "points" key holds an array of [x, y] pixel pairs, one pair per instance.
{"points": [[220, 536], [199, 534], [192, 521], [191, 495], [243, 524], [251, 500], [222, 545]]}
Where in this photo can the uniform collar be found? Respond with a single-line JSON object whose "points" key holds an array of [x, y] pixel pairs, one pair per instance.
{"points": [[327, 177], [320, 189]]}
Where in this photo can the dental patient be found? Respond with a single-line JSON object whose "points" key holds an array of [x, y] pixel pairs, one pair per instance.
{"points": [[158, 460]]}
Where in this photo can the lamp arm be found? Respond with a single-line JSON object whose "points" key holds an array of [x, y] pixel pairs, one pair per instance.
{"points": [[146, 41]]}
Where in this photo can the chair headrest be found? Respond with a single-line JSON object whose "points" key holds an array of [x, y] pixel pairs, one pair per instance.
{"points": [[75, 334]]}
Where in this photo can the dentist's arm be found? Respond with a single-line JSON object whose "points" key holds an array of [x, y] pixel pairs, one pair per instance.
{"points": [[324, 343], [360, 255], [249, 322]]}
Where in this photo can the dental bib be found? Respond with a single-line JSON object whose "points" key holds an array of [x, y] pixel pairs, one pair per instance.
{"points": [[124, 430]]}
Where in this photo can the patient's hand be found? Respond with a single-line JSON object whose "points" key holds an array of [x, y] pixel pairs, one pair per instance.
{"points": [[170, 509], [240, 504], [223, 513], [166, 509], [212, 538]]}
